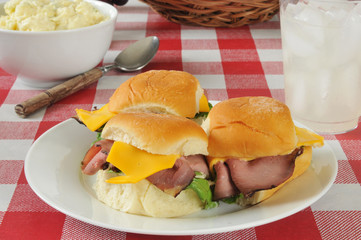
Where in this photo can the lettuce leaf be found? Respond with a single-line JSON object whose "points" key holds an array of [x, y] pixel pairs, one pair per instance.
{"points": [[203, 190], [204, 114], [234, 199]]}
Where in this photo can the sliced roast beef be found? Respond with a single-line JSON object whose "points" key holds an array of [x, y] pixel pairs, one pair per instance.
{"points": [[198, 163], [224, 186], [262, 173], [95, 164], [173, 180], [95, 158], [105, 144]]}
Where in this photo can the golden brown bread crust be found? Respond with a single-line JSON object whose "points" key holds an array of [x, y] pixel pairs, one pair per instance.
{"points": [[157, 133], [250, 127], [302, 162], [173, 92]]}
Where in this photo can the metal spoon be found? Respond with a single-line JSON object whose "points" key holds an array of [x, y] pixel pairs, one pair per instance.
{"points": [[133, 58]]}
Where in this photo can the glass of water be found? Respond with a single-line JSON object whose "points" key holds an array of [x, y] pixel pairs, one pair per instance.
{"points": [[321, 43]]}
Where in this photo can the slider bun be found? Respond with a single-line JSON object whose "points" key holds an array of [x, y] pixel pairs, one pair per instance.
{"points": [[157, 133], [250, 127], [301, 164], [143, 198], [159, 91]]}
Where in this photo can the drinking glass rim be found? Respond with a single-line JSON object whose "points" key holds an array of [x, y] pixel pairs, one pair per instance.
{"points": [[327, 1]]}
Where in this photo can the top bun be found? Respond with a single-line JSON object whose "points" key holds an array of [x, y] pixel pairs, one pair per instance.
{"points": [[250, 127], [157, 133], [159, 91]]}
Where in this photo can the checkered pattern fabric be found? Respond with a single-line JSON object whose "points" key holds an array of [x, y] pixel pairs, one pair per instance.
{"points": [[228, 63]]}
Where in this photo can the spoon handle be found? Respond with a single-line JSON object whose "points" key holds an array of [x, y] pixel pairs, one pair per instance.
{"points": [[58, 92]]}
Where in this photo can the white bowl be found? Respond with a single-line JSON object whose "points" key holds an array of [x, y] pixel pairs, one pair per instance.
{"points": [[43, 59]]}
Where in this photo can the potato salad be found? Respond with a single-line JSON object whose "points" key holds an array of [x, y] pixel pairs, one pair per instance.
{"points": [[49, 15]]}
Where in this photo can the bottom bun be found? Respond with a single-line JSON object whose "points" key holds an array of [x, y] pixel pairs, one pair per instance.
{"points": [[143, 198], [301, 164]]}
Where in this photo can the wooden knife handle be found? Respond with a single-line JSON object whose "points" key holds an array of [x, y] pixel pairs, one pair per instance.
{"points": [[58, 92]]}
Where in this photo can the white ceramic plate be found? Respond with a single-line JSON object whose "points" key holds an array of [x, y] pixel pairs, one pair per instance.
{"points": [[52, 168]]}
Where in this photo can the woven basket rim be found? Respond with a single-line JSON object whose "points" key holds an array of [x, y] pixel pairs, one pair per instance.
{"points": [[215, 13]]}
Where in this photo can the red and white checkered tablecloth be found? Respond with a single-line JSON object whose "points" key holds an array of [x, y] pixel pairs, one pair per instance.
{"points": [[228, 63]]}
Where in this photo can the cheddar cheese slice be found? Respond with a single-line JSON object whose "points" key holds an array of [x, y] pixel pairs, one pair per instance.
{"points": [[95, 119], [308, 138], [135, 163], [203, 104]]}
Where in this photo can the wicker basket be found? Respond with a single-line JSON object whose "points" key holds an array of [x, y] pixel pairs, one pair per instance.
{"points": [[215, 13]]}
